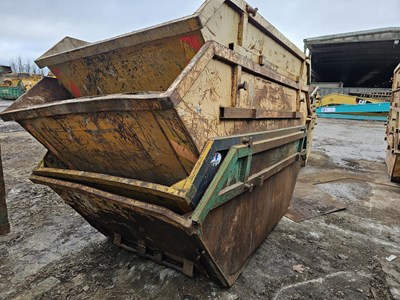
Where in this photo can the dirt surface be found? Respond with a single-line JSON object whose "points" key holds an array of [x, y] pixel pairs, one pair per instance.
{"points": [[52, 253]]}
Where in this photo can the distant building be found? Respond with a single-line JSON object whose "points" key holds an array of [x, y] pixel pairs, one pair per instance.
{"points": [[5, 70], [356, 63]]}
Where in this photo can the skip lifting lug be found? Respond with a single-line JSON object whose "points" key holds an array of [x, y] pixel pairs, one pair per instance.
{"points": [[249, 187], [243, 86], [248, 141], [251, 11]]}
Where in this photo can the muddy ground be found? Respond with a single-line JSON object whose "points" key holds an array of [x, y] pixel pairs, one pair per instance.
{"points": [[52, 253]]}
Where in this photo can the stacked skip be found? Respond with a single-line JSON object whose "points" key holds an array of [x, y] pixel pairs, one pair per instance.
{"points": [[393, 129], [181, 142]]}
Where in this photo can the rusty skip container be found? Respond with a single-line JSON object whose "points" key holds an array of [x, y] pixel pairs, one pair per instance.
{"points": [[153, 60], [198, 169], [239, 205], [393, 129]]}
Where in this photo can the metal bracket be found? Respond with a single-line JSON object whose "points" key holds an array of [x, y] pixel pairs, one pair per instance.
{"points": [[251, 11], [262, 60], [158, 256], [117, 239], [249, 187], [188, 267], [141, 248], [243, 86], [247, 141], [261, 180]]}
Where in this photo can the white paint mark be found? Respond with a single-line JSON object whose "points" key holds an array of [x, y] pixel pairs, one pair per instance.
{"points": [[328, 109], [216, 159]]}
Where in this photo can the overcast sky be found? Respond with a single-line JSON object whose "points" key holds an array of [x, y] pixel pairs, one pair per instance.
{"points": [[30, 28]]}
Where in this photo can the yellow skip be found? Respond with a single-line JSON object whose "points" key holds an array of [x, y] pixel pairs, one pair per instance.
{"points": [[337, 99]]}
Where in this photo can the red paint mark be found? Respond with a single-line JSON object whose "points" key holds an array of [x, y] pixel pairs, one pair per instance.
{"points": [[56, 72], [74, 89], [193, 41]]}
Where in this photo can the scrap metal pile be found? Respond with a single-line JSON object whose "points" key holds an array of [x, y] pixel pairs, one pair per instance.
{"points": [[181, 142]]}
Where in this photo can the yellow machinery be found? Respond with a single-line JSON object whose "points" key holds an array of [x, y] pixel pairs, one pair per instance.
{"points": [[29, 80], [338, 106], [338, 99], [14, 85]]}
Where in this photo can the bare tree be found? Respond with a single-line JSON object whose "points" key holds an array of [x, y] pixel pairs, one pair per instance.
{"points": [[35, 69], [13, 65], [18, 66], [28, 67]]}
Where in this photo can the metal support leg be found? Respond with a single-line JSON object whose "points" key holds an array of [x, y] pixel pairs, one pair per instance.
{"points": [[4, 224]]}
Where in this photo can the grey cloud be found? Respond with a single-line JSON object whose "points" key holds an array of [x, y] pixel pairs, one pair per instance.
{"points": [[32, 27]]}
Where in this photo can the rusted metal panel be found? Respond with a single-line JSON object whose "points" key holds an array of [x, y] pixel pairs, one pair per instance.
{"points": [[257, 37], [200, 108], [184, 196], [132, 69], [393, 129], [46, 90], [254, 113], [234, 230], [4, 223], [119, 143]]}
